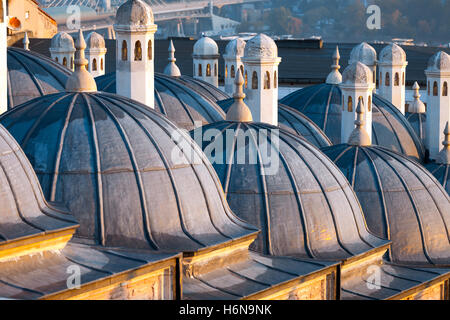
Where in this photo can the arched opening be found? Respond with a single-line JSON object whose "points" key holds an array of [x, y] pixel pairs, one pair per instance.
{"points": [[226, 71], [150, 50], [445, 89], [403, 79], [215, 70], [208, 70], [387, 80], [246, 80], [350, 104], [369, 104], [56, 59], [101, 64], [65, 61], [137, 51], [275, 80], [94, 65], [124, 51], [267, 80], [381, 79], [435, 89], [254, 80], [361, 99], [200, 72], [396, 80], [233, 72]]}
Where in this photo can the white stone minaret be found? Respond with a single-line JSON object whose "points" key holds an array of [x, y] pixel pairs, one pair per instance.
{"points": [[335, 77], [392, 67], [95, 54], [417, 106], [234, 52], [261, 78], [26, 42], [206, 61], [62, 49], [3, 63], [367, 55], [172, 69], [135, 31], [438, 102], [357, 84]]}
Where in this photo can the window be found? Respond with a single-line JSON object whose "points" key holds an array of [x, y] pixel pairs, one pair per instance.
{"points": [[56, 59], [381, 79], [445, 89], [208, 70], [124, 51], [435, 89], [387, 80], [200, 72], [215, 70], [403, 79], [101, 64], [94, 65], [226, 71], [65, 61], [150, 50], [369, 104], [396, 80], [233, 73], [267, 80], [246, 80], [138, 51], [350, 104], [254, 80], [275, 80]]}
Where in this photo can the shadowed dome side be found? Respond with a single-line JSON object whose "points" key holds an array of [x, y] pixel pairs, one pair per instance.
{"points": [[401, 201], [175, 99], [441, 171], [134, 13], [418, 122], [126, 173], [95, 41], [287, 187], [439, 62], [205, 88], [295, 122], [323, 104], [32, 75], [235, 48]]}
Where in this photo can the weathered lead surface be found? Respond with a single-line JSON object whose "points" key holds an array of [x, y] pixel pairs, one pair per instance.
{"points": [[441, 173], [401, 201], [323, 104], [418, 123]]}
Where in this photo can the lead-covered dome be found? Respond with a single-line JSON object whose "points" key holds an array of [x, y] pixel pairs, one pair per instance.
{"points": [[62, 41], [135, 13], [439, 62], [205, 46], [179, 99], [261, 46], [235, 48], [32, 75], [357, 74], [363, 53], [95, 41], [323, 105], [393, 54], [287, 187], [128, 175], [401, 201]]}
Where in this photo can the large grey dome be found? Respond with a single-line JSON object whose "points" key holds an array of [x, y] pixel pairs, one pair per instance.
{"points": [[323, 104], [177, 98], [292, 191], [128, 175], [294, 121], [32, 75], [401, 201]]}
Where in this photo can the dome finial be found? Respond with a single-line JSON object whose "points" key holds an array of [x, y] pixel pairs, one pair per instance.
{"points": [[239, 111], [359, 136], [81, 80], [26, 42], [172, 69], [335, 77], [444, 155], [417, 105]]}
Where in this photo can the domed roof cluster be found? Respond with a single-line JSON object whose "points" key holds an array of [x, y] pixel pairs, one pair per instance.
{"points": [[393, 54], [95, 41], [235, 47], [260, 47], [206, 46], [31, 75], [363, 53], [62, 41], [134, 13], [181, 103], [357, 73], [439, 62]]}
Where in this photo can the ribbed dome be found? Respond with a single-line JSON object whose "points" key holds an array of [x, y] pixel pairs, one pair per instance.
{"points": [[363, 53], [205, 88], [442, 173], [298, 197], [176, 98], [95, 41], [205, 46], [401, 201], [439, 62], [23, 210], [128, 175], [322, 104], [294, 121], [418, 123], [31, 75], [62, 41], [261, 46], [393, 54], [134, 13], [235, 48], [357, 73]]}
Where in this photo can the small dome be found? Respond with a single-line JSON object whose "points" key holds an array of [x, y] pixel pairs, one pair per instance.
{"points": [[401, 201], [261, 46], [393, 54], [95, 41], [300, 200], [135, 13], [363, 53], [235, 48], [62, 41], [178, 99], [323, 105], [439, 62], [31, 75], [357, 73], [129, 176], [206, 46], [293, 121]]}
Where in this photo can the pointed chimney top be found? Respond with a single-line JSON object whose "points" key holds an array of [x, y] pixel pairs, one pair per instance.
{"points": [[417, 106], [335, 77], [444, 155], [172, 69], [359, 136], [26, 42], [80, 80], [239, 111]]}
